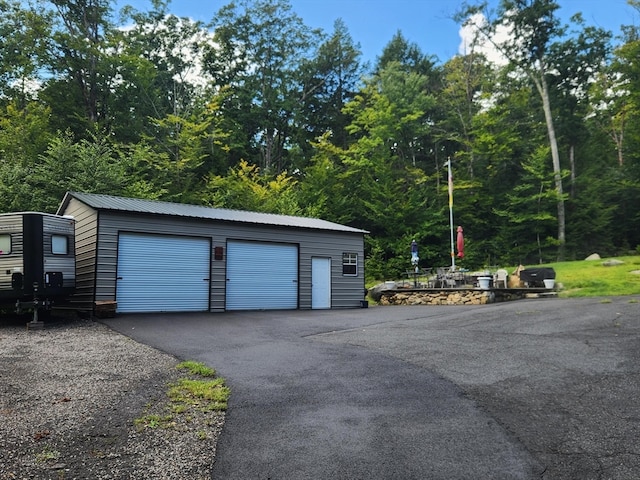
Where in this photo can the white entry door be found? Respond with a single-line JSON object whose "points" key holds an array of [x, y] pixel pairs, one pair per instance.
{"points": [[320, 283]]}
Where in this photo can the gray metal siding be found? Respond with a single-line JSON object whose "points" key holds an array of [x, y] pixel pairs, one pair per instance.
{"points": [[107, 257], [346, 291], [86, 244]]}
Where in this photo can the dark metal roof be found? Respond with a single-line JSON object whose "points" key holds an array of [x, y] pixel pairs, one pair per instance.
{"points": [[154, 207]]}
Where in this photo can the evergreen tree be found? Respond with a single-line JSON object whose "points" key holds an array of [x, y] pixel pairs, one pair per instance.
{"points": [[330, 80]]}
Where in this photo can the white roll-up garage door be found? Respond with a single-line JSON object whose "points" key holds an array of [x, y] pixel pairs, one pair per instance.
{"points": [[162, 273], [261, 276]]}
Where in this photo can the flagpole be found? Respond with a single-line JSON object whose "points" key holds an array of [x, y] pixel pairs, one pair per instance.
{"points": [[450, 183]]}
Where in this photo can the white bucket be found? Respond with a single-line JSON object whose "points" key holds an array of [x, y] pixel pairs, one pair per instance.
{"points": [[484, 282], [549, 283], [390, 285]]}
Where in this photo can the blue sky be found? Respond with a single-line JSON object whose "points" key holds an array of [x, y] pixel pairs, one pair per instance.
{"points": [[372, 23]]}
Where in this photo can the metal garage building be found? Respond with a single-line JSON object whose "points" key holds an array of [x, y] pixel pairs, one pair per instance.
{"points": [[152, 256]]}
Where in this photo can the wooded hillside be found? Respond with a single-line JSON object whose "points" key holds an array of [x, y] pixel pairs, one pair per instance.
{"points": [[257, 111]]}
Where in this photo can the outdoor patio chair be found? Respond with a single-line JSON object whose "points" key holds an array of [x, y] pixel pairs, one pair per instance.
{"points": [[500, 279]]}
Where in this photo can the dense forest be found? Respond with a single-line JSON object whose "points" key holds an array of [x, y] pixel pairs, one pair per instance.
{"points": [[257, 111]]}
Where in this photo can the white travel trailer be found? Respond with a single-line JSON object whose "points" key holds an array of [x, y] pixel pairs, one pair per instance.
{"points": [[37, 258]]}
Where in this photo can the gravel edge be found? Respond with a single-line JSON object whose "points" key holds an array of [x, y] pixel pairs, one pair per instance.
{"points": [[69, 395]]}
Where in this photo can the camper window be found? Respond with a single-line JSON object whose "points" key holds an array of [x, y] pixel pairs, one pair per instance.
{"points": [[59, 245], [5, 244]]}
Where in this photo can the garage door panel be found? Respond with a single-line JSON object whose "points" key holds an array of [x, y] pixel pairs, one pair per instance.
{"points": [[261, 276], [161, 273]]}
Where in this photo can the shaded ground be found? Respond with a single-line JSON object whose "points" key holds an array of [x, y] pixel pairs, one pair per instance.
{"points": [[563, 376], [526, 389]]}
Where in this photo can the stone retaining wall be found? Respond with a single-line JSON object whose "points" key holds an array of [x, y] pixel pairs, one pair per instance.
{"points": [[449, 297]]}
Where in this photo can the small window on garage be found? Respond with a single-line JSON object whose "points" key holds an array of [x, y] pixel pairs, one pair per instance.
{"points": [[59, 245], [350, 264], [5, 244]]}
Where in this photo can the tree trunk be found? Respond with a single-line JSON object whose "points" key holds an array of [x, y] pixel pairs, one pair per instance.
{"points": [[543, 89], [572, 163], [618, 137], [267, 149]]}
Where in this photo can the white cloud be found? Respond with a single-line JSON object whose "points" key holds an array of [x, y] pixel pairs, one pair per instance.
{"points": [[30, 86], [192, 70], [472, 39]]}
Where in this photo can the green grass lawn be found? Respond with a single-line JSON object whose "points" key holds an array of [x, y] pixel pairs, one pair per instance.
{"points": [[591, 278]]}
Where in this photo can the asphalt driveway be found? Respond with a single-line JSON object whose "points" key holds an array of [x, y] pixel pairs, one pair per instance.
{"points": [[520, 390]]}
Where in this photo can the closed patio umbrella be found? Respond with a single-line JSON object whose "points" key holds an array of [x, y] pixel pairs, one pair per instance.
{"points": [[460, 243]]}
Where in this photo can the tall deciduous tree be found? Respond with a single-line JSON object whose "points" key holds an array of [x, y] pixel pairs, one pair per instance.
{"points": [[610, 107], [78, 51], [577, 63], [257, 50], [411, 108], [24, 36], [172, 46], [620, 104], [624, 117], [466, 80], [534, 33]]}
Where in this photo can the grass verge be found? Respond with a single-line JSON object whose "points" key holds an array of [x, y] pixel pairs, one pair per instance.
{"points": [[199, 390]]}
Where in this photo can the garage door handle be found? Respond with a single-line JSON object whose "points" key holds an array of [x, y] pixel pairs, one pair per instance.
{"points": [[205, 279], [118, 278]]}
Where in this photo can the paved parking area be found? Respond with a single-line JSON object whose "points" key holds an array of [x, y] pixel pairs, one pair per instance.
{"points": [[521, 390]]}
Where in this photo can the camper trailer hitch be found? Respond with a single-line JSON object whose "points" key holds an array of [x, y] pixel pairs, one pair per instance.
{"points": [[35, 304]]}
